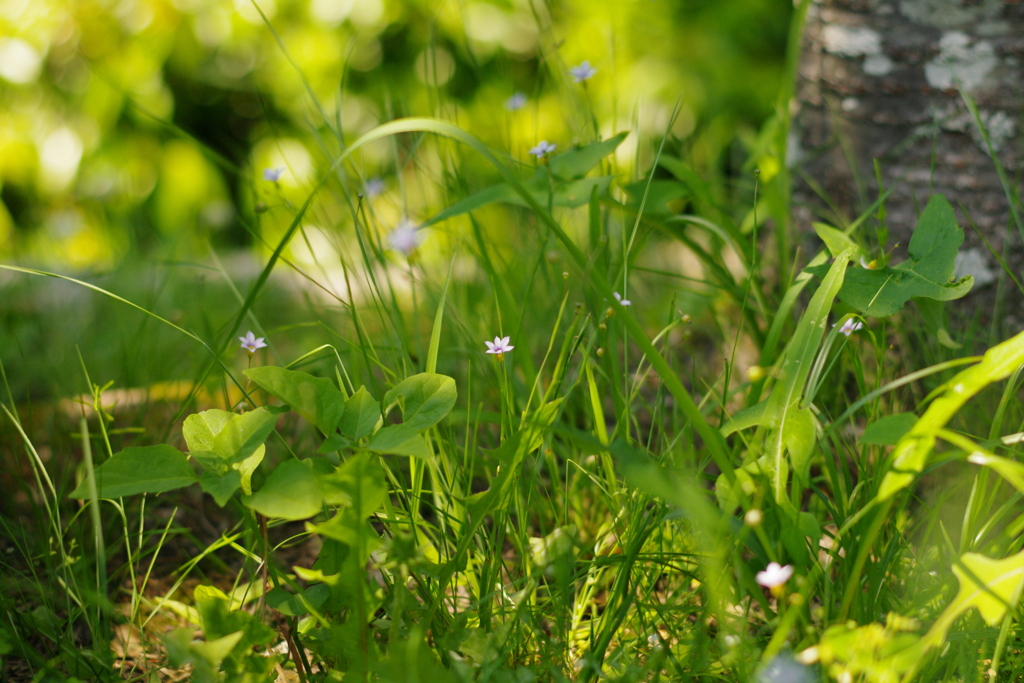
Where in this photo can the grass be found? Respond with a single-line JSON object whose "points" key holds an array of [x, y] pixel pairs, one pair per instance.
{"points": [[595, 504]]}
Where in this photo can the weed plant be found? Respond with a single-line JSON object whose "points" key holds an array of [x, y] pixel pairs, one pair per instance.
{"points": [[763, 467]]}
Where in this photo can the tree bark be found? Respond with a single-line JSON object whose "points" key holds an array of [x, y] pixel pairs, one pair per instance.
{"points": [[879, 80]]}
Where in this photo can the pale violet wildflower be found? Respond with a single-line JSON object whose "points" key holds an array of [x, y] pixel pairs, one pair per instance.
{"points": [[850, 326], [582, 72], [273, 174], [516, 102], [250, 342], [374, 186], [405, 238], [774, 575], [542, 148], [499, 346], [623, 302]]}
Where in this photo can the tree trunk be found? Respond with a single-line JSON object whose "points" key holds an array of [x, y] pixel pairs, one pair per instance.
{"points": [[879, 80]]}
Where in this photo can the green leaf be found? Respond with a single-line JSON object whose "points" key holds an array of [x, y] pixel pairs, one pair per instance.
{"points": [[362, 413], [911, 452], [837, 241], [424, 399], [399, 440], [928, 273], [314, 398], [290, 492], [205, 658], [293, 605], [664, 198], [220, 486], [357, 484], [888, 430], [989, 585], [578, 161], [214, 435], [219, 619], [150, 469], [244, 434], [200, 429]]}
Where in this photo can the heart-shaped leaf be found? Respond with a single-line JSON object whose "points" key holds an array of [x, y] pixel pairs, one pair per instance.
{"points": [[314, 398], [150, 469]]}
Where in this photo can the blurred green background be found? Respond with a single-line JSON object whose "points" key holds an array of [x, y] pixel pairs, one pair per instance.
{"points": [[132, 126], [134, 135]]}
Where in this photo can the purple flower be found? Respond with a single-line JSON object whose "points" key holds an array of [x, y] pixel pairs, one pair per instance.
{"points": [[273, 174], [250, 342], [499, 346], [582, 72], [405, 238], [516, 102], [542, 148], [374, 186], [850, 326]]}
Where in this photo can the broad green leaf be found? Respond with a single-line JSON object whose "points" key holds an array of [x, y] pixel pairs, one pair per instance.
{"points": [[229, 437], [200, 429], [244, 434], [220, 486], [726, 492], [348, 528], [911, 452], [290, 492], [888, 430], [664, 198], [248, 466], [425, 399], [149, 469], [577, 162], [836, 241], [745, 419], [220, 618], [314, 398], [799, 434], [293, 605], [357, 484], [989, 585], [928, 273], [205, 658], [362, 413], [399, 440]]}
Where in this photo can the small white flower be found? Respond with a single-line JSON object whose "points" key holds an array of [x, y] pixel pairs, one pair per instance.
{"points": [[499, 346], [273, 174], [542, 148], [516, 102], [582, 72], [250, 342], [850, 326], [654, 640], [624, 302], [374, 186], [774, 575], [405, 238]]}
